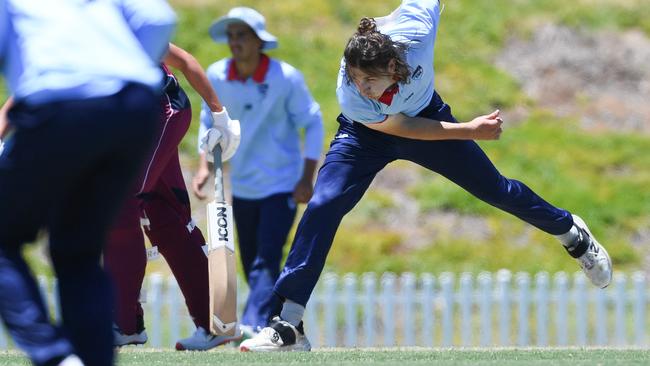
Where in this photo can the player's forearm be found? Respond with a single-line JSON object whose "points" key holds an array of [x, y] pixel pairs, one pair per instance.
{"points": [[204, 165], [197, 79], [422, 128], [193, 72]]}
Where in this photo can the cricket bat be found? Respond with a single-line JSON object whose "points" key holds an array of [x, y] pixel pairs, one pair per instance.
{"points": [[221, 258]]}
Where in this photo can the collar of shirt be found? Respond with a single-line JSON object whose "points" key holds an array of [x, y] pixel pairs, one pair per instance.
{"points": [[258, 76], [387, 97]]}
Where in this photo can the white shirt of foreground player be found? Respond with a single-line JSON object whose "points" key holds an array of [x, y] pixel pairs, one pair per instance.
{"points": [[74, 49]]}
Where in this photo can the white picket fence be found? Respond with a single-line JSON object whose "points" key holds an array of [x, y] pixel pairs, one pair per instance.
{"points": [[448, 310]]}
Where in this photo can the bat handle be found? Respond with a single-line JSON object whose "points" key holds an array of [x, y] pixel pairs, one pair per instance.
{"points": [[218, 175]]}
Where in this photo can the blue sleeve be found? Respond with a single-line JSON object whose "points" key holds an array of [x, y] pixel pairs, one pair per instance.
{"points": [[414, 21], [305, 113], [4, 31], [152, 23]]}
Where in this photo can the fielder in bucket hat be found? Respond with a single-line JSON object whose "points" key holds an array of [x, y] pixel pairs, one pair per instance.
{"points": [[273, 170], [252, 18]]}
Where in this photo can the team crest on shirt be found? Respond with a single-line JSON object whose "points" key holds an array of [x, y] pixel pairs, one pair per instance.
{"points": [[417, 74], [263, 89]]}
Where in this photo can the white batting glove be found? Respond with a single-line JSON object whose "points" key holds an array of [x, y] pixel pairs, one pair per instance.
{"points": [[2, 146], [230, 135], [212, 138]]}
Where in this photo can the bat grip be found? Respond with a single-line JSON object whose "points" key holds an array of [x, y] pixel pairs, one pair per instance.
{"points": [[218, 175]]}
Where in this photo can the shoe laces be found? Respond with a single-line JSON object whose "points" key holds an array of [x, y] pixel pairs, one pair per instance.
{"points": [[270, 334], [589, 259]]}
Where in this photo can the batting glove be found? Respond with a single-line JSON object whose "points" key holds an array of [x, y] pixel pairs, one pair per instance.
{"points": [[2, 146], [210, 141], [229, 136]]}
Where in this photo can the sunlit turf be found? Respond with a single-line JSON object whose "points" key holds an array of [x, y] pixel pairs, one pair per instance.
{"points": [[403, 357]]}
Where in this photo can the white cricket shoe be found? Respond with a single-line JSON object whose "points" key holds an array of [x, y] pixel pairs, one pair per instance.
{"points": [[279, 336], [202, 340], [120, 339], [71, 360], [591, 255]]}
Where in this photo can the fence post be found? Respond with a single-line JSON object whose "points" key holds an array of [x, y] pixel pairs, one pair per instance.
{"points": [[54, 298], [172, 301], [639, 280], [388, 295], [600, 300], [428, 315], [581, 308], [620, 303], [504, 278], [350, 288], [562, 307], [485, 285], [330, 302], [523, 287], [408, 300], [542, 282], [44, 288], [466, 302], [369, 286], [446, 286], [312, 326], [154, 299]]}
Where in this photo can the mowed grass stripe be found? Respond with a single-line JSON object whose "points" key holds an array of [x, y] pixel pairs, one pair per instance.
{"points": [[402, 357]]}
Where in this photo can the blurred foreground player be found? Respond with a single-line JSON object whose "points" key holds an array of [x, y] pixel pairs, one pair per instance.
{"points": [[85, 83]]}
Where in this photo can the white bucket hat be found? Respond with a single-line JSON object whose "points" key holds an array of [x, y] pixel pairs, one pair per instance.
{"points": [[252, 18]]}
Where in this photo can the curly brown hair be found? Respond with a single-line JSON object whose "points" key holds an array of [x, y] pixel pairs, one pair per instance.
{"points": [[371, 51]]}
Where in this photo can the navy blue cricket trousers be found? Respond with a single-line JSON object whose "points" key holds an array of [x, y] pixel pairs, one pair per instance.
{"points": [[358, 153], [262, 229], [67, 169]]}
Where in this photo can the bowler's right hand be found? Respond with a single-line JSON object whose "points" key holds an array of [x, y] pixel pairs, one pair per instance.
{"points": [[487, 127]]}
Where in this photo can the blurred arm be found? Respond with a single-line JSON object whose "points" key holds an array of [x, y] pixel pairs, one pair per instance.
{"points": [[152, 23], [4, 121]]}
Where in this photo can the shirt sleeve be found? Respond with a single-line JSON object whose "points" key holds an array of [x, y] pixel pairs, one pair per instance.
{"points": [[305, 113], [152, 23], [414, 21], [4, 31]]}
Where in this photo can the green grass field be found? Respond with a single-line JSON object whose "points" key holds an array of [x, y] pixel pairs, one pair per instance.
{"points": [[403, 357]]}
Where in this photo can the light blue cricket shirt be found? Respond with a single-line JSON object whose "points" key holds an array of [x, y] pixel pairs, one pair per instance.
{"points": [[72, 49], [415, 23], [273, 106]]}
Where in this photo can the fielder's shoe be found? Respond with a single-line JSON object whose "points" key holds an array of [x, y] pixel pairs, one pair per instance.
{"points": [[591, 256], [71, 360], [278, 336], [202, 340], [120, 339]]}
